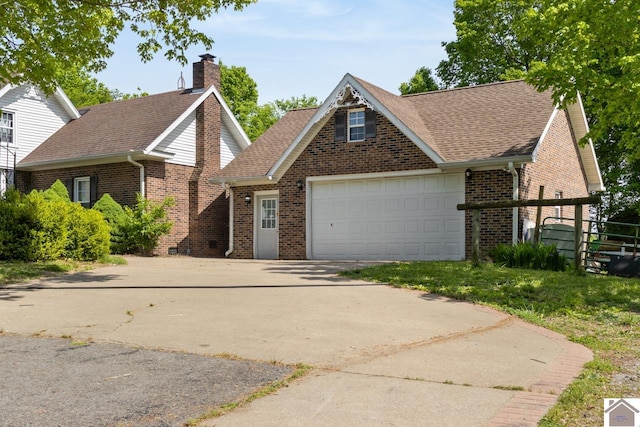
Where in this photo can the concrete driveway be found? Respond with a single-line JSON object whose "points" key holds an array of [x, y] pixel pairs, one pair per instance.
{"points": [[383, 356]]}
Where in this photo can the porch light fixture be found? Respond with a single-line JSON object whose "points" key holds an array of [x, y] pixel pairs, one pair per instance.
{"points": [[467, 173], [299, 184], [247, 199]]}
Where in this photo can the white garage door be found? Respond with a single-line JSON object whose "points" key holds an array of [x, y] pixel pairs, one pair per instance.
{"points": [[400, 218]]}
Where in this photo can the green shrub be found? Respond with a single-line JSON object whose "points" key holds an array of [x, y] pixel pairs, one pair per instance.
{"points": [[57, 191], [536, 256], [143, 225], [16, 221], [49, 228], [114, 215], [88, 238], [112, 211]]}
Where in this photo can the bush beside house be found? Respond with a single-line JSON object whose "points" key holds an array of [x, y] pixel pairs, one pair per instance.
{"points": [[46, 225]]}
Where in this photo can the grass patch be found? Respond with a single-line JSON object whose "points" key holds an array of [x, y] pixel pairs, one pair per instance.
{"points": [[597, 311], [300, 371], [18, 271], [15, 272]]}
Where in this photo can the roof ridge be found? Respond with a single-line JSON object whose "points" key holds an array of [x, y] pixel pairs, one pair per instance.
{"points": [[148, 96], [463, 88]]}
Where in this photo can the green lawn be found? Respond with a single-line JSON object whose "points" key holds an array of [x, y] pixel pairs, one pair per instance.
{"points": [[600, 312], [17, 271]]}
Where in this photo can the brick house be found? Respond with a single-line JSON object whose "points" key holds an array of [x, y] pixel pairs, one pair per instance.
{"points": [[167, 144], [373, 175]]}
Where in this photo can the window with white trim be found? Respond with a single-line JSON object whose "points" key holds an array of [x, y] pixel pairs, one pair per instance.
{"points": [[7, 127], [558, 209], [82, 190], [355, 125]]}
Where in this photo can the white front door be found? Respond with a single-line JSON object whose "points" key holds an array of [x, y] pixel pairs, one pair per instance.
{"points": [[267, 227]]}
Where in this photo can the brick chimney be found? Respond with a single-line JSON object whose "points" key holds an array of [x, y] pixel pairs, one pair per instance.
{"points": [[206, 72]]}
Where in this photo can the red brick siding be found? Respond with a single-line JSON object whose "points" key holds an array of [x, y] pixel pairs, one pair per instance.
{"points": [[389, 151], [120, 180], [244, 220], [496, 224], [558, 168]]}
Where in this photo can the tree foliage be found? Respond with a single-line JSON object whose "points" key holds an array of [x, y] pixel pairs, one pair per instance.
{"points": [[281, 106], [422, 81], [595, 50], [569, 46], [240, 92], [490, 45], [41, 39], [82, 89]]}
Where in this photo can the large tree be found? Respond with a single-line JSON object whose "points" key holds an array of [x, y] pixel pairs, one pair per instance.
{"points": [[84, 90], [40, 39], [422, 81], [594, 50], [240, 92], [489, 44], [570, 46]]}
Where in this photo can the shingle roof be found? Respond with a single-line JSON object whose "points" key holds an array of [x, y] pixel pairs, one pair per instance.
{"points": [[492, 121], [488, 121], [258, 158], [115, 127]]}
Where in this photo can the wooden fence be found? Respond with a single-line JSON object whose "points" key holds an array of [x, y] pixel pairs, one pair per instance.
{"points": [[475, 209]]}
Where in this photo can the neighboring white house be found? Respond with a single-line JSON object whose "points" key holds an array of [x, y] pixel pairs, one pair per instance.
{"points": [[27, 118]]}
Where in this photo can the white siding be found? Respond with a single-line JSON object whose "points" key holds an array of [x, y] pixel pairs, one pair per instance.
{"points": [[182, 142], [229, 148], [36, 116]]}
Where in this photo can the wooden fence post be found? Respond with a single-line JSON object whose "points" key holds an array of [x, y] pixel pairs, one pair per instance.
{"points": [[577, 249], [536, 231], [475, 237]]}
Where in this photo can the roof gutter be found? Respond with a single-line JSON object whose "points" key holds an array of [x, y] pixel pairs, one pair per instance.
{"points": [[141, 166], [91, 160], [490, 163], [243, 180], [516, 185]]}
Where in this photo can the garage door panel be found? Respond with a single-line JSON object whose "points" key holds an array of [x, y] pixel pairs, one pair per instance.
{"points": [[401, 218]]}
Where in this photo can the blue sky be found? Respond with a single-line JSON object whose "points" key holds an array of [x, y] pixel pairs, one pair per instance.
{"points": [[296, 47]]}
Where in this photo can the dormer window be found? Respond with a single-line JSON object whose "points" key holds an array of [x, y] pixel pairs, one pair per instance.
{"points": [[7, 127], [356, 125]]}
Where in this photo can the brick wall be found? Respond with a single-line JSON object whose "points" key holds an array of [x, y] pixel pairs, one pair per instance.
{"points": [[496, 224], [120, 180], [558, 168], [208, 214], [389, 151]]}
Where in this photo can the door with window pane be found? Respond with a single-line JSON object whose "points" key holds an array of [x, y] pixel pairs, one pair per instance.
{"points": [[267, 227]]}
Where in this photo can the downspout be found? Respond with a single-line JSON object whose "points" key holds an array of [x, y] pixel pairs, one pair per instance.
{"points": [[228, 252], [516, 184], [141, 166]]}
